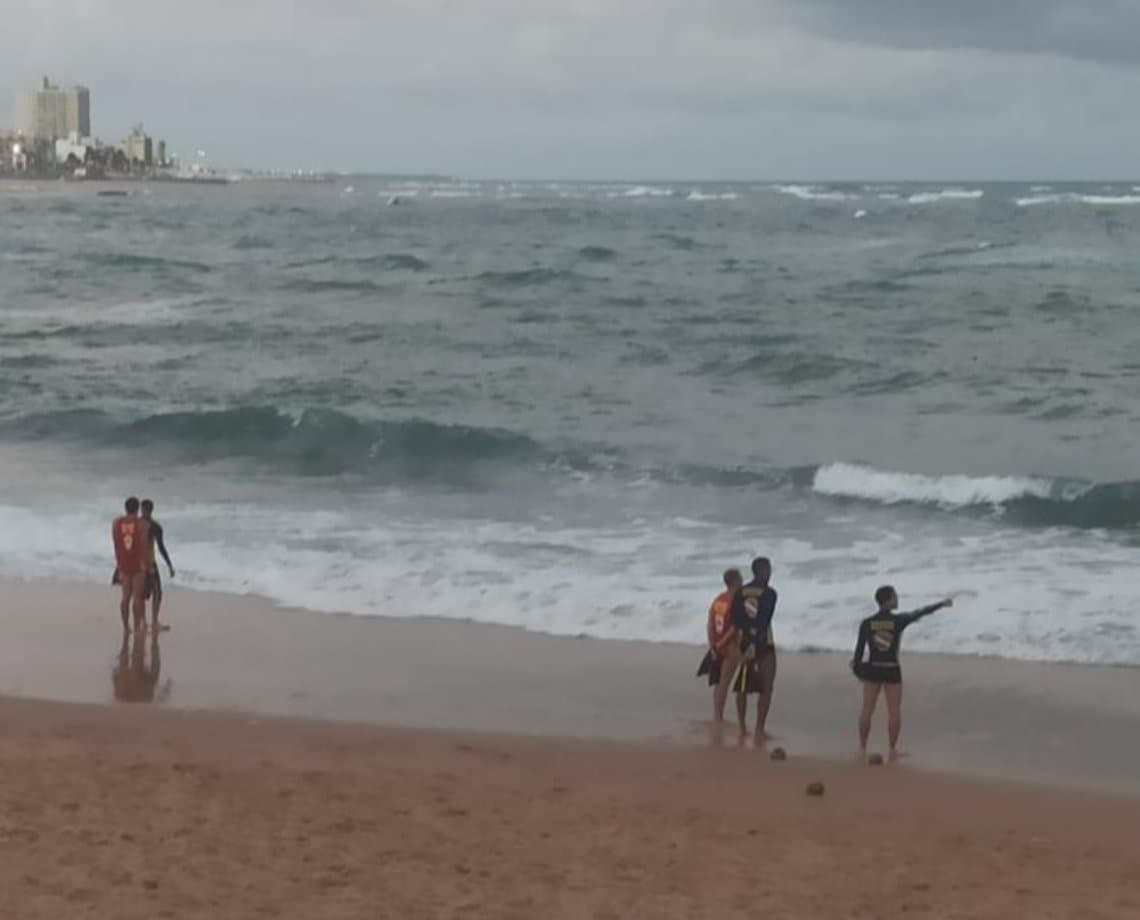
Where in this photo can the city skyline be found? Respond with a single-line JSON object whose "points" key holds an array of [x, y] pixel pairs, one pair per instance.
{"points": [[870, 89], [50, 112]]}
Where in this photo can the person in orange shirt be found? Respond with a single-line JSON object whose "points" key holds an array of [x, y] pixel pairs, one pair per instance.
{"points": [[723, 645], [130, 535]]}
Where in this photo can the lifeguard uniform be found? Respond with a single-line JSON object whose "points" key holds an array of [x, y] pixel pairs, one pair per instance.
{"points": [[752, 612], [880, 636], [131, 537], [721, 631], [722, 639]]}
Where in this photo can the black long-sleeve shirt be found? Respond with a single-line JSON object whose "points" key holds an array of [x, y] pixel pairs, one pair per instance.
{"points": [[752, 612], [879, 636]]}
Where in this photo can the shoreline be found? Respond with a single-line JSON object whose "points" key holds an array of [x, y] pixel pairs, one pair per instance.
{"points": [[1066, 725]]}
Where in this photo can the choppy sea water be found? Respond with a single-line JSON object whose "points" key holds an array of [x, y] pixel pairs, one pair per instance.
{"points": [[569, 407]]}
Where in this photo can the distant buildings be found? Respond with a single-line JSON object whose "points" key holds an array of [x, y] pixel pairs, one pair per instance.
{"points": [[49, 113], [52, 138], [138, 148]]}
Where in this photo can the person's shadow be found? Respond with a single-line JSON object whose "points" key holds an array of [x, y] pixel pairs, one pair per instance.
{"points": [[135, 673]]}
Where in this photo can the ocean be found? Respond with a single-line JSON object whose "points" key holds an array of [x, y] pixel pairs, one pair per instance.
{"points": [[568, 407]]}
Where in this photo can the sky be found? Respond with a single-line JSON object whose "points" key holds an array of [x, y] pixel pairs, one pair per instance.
{"points": [[595, 89]]}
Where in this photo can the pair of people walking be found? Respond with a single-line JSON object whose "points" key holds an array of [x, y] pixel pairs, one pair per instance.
{"points": [[136, 536]]}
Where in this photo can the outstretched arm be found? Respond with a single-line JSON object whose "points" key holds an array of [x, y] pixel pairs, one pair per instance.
{"points": [[916, 615]]}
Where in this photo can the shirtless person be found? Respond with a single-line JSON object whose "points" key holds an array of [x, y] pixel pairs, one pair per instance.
{"points": [[880, 635], [129, 534], [153, 588], [723, 645], [752, 612]]}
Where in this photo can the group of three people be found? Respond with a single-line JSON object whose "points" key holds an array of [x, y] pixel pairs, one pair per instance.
{"points": [[742, 652], [136, 536]]}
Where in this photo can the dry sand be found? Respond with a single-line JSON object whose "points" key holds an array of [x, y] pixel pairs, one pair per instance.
{"points": [[173, 811], [139, 812]]}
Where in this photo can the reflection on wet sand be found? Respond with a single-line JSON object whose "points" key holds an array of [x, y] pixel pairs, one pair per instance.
{"points": [[136, 670]]}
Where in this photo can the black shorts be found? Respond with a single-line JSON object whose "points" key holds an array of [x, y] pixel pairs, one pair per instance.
{"points": [[710, 666], [153, 584], [873, 675]]}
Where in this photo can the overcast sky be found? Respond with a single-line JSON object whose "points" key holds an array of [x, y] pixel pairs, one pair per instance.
{"points": [[757, 89]]}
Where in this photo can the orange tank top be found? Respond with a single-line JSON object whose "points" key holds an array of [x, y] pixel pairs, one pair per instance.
{"points": [[720, 622], [130, 538]]}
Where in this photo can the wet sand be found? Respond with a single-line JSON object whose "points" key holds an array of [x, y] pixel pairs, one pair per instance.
{"points": [[292, 805], [1061, 724]]}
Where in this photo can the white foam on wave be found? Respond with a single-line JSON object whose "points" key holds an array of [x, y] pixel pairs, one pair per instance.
{"points": [[815, 193], [697, 195], [860, 214], [847, 480], [648, 579], [452, 193], [158, 311], [642, 191], [1075, 198], [946, 194]]}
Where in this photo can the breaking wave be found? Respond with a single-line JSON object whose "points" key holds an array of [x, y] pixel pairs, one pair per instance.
{"points": [[1028, 500]]}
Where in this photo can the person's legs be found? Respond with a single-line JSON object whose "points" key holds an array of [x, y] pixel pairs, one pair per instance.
{"points": [[155, 598], [742, 714], [766, 666], [125, 602], [894, 715], [870, 698], [138, 599], [728, 666]]}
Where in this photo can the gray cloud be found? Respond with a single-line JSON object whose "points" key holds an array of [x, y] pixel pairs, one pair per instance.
{"points": [[763, 88], [1099, 30]]}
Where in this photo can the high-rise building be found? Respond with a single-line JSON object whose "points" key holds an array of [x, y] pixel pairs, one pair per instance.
{"points": [[138, 148], [50, 113]]}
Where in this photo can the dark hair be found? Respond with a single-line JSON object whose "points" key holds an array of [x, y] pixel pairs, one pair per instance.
{"points": [[732, 577], [884, 594], [147, 505], [132, 505], [761, 567]]}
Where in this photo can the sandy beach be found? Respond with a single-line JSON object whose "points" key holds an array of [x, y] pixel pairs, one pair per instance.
{"points": [[279, 776]]}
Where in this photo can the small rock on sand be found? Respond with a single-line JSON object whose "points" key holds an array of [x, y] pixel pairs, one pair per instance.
{"points": [[779, 754], [875, 760], [815, 789]]}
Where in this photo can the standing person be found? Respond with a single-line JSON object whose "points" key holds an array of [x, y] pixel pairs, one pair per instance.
{"points": [[129, 534], [880, 635], [153, 588], [752, 612], [723, 656]]}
